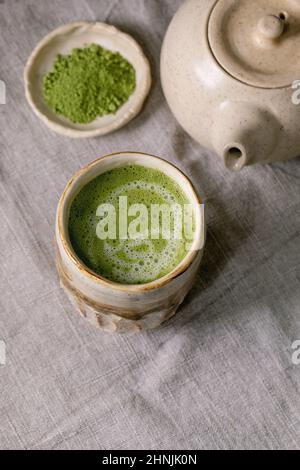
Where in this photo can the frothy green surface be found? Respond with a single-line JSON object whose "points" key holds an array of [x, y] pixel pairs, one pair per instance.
{"points": [[126, 261]]}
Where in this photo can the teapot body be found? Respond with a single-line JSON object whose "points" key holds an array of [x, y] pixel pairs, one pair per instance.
{"points": [[242, 123]]}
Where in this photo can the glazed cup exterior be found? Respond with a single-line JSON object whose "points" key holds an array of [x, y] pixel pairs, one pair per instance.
{"points": [[119, 307]]}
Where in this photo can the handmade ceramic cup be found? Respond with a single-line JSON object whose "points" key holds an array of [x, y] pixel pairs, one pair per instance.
{"points": [[119, 307]]}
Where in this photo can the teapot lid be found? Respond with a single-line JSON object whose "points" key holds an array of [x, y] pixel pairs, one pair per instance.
{"points": [[257, 41]]}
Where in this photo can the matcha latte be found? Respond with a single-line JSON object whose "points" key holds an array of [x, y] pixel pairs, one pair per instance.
{"points": [[154, 240]]}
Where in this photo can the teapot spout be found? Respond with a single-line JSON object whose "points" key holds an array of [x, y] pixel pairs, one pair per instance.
{"points": [[235, 155], [244, 134]]}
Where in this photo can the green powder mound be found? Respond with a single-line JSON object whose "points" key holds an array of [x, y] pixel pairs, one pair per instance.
{"points": [[89, 83]]}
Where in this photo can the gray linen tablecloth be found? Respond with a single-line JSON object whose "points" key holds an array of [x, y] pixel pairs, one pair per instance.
{"points": [[220, 374]]}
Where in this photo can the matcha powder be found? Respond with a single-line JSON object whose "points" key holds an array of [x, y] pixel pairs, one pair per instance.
{"points": [[89, 83]]}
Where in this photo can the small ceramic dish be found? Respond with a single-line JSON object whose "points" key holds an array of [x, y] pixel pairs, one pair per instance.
{"points": [[77, 35]]}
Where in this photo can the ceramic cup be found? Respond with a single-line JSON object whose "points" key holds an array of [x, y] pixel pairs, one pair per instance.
{"points": [[118, 307]]}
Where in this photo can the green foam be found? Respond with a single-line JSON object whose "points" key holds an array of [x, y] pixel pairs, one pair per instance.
{"points": [[126, 261]]}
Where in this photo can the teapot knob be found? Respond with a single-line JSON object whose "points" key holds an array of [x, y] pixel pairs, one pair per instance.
{"points": [[271, 26]]}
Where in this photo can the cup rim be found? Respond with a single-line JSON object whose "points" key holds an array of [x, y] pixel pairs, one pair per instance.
{"points": [[89, 273]]}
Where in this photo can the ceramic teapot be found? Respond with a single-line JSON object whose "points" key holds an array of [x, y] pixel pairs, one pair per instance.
{"points": [[230, 72]]}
